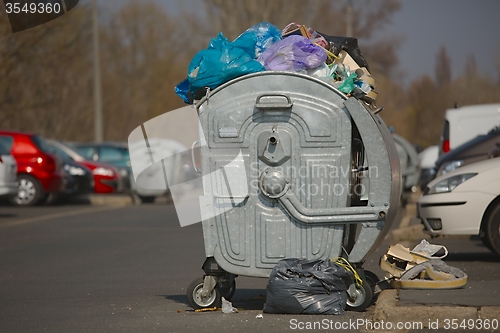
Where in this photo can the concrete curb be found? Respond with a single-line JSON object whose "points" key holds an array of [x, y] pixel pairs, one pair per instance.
{"points": [[387, 307], [387, 310]]}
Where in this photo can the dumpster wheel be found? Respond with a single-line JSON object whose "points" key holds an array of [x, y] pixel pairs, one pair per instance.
{"points": [[196, 299], [361, 299], [227, 289], [372, 279]]}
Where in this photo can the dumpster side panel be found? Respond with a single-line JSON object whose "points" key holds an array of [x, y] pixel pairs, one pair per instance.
{"points": [[294, 137]]}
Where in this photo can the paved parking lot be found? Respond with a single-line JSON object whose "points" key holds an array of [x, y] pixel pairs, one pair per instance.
{"points": [[94, 268]]}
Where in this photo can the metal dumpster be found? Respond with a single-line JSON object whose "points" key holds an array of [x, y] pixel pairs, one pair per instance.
{"points": [[317, 176]]}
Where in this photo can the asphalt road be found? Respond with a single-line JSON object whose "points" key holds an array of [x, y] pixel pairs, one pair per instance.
{"points": [[113, 269], [83, 268]]}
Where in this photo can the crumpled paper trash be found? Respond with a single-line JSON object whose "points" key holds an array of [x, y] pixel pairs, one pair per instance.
{"points": [[400, 259], [425, 249]]}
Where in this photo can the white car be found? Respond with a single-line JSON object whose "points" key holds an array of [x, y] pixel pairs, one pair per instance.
{"points": [[465, 201], [150, 182], [8, 169]]}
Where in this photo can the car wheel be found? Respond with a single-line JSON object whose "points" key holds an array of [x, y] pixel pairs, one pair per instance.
{"points": [[29, 191], [52, 198], [147, 199], [491, 236]]}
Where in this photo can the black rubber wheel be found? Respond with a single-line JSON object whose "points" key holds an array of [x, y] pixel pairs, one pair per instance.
{"points": [[372, 279], [227, 290], [484, 239], [147, 199], [53, 198], [29, 191], [491, 237], [362, 300], [136, 199], [197, 302]]}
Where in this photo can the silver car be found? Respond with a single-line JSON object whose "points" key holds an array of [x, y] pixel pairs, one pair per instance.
{"points": [[8, 169]]}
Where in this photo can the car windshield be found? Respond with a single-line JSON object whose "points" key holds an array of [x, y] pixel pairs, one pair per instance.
{"points": [[87, 152], [114, 154], [5, 144], [41, 144], [60, 152], [125, 152]]}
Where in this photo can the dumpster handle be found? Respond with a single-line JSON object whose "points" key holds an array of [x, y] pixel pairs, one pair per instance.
{"points": [[193, 159], [270, 106]]}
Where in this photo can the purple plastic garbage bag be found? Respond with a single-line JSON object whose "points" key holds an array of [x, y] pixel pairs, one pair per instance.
{"points": [[293, 53]]}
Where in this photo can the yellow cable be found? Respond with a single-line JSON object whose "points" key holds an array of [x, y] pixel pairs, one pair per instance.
{"points": [[207, 309], [347, 265]]}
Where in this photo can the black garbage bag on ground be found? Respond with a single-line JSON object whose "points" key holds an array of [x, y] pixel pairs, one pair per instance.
{"points": [[303, 286]]}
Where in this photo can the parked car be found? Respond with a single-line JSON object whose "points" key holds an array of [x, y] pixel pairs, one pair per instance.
{"points": [[408, 159], [465, 201], [107, 178], [39, 172], [475, 150], [465, 123], [114, 153], [151, 182], [8, 169], [80, 177], [427, 160]]}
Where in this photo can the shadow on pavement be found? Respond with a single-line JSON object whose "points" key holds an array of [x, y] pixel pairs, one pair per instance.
{"points": [[82, 200], [486, 256], [247, 299]]}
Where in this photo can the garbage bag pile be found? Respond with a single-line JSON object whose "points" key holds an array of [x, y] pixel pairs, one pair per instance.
{"points": [[265, 47], [303, 286]]}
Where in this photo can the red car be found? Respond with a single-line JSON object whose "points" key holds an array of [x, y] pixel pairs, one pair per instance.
{"points": [[107, 178], [38, 171]]}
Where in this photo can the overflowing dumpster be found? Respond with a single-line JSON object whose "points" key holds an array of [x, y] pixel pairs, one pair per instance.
{"points": [[294, 161], [307, 172]]}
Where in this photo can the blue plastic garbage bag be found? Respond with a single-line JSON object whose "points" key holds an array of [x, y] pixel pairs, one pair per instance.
{"points": [[217, 64], [303, 286], [258, 38], [293, 53], [182, 90]]}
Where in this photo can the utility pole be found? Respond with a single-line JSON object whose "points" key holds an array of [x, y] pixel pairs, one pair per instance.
{"points": [[348, 20], [97, 77]]}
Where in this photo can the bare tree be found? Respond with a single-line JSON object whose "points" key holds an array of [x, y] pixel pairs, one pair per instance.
{"points": [[428, 101], [470, 68], [144, 57], [326, 16], [443, 67], [46, 83], [43, 69], [497, 63]]}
